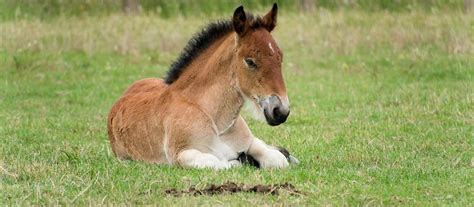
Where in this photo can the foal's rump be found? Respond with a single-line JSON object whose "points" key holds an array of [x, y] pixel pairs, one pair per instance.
{"points": [[128, 118]]}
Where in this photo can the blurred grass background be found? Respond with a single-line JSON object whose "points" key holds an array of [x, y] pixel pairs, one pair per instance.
{"points": [[45, 9]]}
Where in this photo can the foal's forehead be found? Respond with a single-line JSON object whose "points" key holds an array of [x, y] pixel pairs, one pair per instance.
{"points": [[265, 43]]}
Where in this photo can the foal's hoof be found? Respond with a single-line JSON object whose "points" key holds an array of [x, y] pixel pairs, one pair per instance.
{"points": [[291, 159], [246, 159]]}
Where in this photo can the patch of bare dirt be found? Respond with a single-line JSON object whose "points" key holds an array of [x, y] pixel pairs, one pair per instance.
{"points": [[231, 187]]}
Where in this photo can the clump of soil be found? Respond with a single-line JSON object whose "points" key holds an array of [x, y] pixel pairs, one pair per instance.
{"points": [[231, 187]]}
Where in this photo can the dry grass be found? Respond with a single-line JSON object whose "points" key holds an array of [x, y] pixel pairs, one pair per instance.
{"points": [[340, 32]]}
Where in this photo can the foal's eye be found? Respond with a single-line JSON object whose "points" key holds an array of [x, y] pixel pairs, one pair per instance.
{"points": [[250, 63]]}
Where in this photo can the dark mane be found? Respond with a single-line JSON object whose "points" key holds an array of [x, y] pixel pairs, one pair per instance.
{"points": [[201, 41]]}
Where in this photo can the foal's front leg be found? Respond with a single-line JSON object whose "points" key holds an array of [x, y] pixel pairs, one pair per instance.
{"points": [[191, 146], [243, 140]]}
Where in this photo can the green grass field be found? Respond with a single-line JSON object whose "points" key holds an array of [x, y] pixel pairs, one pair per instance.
{"points": [[382, 110]]}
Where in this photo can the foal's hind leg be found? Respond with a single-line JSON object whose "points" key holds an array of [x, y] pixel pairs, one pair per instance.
{"points": [[198, 159]]}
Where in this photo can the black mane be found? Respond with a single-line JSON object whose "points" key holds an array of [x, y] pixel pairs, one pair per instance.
{"points": [[198, 43], [201, 41]]}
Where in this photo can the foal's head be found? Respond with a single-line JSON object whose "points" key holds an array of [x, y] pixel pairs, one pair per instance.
{"points": [[259, 64]]}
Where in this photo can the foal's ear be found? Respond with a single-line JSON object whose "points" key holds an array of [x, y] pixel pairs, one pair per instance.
{"points": [[240, 21], [270, 19]]}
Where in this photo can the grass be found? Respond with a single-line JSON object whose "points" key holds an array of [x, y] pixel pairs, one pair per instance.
{"points": [[382, 110], [51, 9]]}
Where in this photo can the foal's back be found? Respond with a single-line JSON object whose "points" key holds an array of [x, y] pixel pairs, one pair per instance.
{"points": [[146, 85]]}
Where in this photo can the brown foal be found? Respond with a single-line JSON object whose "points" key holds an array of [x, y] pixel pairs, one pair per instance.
{"points": [[192, 118]]}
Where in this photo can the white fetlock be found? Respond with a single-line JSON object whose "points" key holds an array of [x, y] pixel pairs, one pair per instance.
{"points": [[273, 159], [235, 163]]}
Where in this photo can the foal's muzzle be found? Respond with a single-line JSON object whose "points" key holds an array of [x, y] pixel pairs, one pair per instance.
{"points": [[274, 110]]}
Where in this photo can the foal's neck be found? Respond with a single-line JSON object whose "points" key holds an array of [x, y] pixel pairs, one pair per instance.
{"points": [[210, 82]]}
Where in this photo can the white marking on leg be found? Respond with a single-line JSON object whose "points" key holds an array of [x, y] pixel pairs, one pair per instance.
{"points": [[222, 150], [270, 46], [198, 159]]}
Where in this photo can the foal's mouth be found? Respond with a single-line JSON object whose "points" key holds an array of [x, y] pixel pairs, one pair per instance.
{"points": [[274, 110]]}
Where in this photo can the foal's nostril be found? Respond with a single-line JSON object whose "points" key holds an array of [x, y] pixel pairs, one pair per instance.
{"points": [[279, 114], [276, 112]]}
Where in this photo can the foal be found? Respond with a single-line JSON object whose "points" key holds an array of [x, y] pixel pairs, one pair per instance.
{"points": [[191, 118]]}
